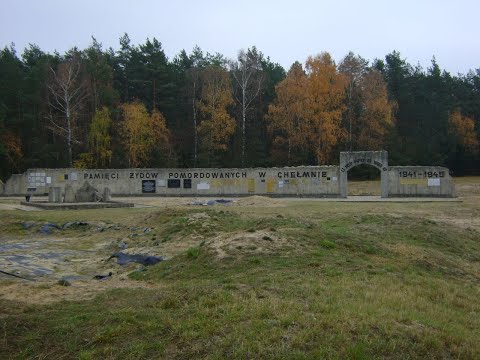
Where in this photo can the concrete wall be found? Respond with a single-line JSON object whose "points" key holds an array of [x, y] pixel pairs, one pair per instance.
{"points": [[16, 185], [308, 181], [316, 181], [430, 181]]}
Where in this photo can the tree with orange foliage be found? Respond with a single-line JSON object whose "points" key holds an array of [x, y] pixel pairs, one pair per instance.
{"points": [[286, 114], [11, 149], [463, 128], [216, 125], [323, 106], [376, 117], [308, 109], [143, 133]]}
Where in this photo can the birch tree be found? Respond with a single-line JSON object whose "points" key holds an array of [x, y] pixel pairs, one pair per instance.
{"points": [[197, 62], [286, 113], [67, 92], [324, 106], [355, 68], [248, 80], [217, 126], [142, 133]]}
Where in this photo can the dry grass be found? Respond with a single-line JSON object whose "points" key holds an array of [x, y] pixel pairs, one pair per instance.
{"points": [[287, 279]]}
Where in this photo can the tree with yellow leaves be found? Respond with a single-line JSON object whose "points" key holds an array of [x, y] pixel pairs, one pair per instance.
{"points": [[308, 108], [99, 153], [216, 125], [463, 128], [142, 133], [324, 106], [286, 114], [376, 117]]}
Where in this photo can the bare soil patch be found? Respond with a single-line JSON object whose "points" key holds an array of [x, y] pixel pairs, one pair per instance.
{"points": [[247, 243]]}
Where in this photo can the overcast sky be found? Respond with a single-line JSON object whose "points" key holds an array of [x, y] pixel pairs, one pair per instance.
{"points": [[284, 30]]}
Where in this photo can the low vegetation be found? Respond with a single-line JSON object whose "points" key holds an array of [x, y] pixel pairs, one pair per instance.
{"points": [[302, 281]]}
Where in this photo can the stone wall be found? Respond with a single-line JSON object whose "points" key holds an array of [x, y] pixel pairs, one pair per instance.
{"points": [[306, 181], [431, 181], [314, 181]]}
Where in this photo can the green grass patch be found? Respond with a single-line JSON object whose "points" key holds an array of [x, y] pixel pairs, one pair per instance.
{"points": [[347, 286]]}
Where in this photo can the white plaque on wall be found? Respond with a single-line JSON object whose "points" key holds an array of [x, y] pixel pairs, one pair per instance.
{"points": [[203, 186]]}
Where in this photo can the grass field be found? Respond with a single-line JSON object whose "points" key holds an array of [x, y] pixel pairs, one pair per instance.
{"points": [[261, 279]]}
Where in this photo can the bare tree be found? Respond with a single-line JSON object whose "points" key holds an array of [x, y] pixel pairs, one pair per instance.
{"points": [[355, 68], [248, 76], [67, 91]]}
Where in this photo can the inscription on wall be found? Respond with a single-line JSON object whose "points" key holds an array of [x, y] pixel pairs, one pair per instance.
{"points": [[312, 174], [360, 161]]}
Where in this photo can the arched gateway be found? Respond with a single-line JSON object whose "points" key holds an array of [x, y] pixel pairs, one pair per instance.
{"points": [[350, 159]]}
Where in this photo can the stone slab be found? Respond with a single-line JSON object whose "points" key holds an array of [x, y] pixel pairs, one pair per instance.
{"points": [[77, 206]]}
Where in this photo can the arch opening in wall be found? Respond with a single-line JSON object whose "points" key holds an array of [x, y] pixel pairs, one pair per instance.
{"points": [[364, 180], [351, 159]]}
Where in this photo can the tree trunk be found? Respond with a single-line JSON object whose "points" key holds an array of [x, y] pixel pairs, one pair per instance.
{"points": [[244, 116], [194, 108]]}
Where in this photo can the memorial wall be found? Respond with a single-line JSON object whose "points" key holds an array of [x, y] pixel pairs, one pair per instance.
{"points": [[302, 181], [317, 181]]}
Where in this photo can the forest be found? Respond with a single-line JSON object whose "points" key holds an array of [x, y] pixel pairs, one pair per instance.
{"points": [[135, 107]]}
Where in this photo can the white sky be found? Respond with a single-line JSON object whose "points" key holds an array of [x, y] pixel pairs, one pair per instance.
{"points": [[284, 30]]}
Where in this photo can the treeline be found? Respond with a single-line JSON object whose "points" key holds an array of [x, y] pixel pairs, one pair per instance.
{"points": [[134, 107]]}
